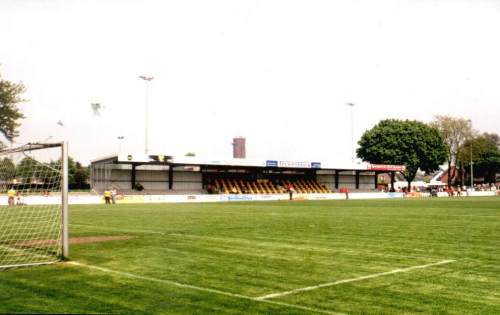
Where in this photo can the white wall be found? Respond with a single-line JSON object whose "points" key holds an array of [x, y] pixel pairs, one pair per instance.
{"points": [[367, 182], [120, 179], [347, 180], [187, 180], [152, 179]]}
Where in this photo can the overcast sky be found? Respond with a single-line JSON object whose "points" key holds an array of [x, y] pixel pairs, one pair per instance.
{"points": [[276, 72]]}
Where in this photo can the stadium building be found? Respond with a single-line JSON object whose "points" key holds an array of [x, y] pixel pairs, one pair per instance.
{"points": [[163, 174]]}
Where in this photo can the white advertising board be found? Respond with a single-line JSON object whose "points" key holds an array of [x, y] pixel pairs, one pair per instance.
{"points": [[53, 200], [375, 195], [481, 193], [94, 199]]}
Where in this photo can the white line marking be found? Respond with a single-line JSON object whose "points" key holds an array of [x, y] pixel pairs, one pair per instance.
{"points": [[376, 275], [193, 287]]}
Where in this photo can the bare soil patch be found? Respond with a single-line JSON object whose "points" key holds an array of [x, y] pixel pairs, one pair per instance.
{"points": [[75, 240]]}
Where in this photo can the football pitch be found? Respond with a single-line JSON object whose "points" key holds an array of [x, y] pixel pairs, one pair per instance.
{"points": [[426, 256]]}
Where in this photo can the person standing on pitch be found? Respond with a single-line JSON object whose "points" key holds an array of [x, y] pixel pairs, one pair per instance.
{"points": [[290, 191], [113, 196], [11, 194], [107, 196]]}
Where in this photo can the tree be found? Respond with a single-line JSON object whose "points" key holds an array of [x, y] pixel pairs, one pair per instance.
{"points": [[454, 131], [26, 169], [484, 151], [190, 154], [7, 170], [78, 175], [403, 142], [9, 112]]}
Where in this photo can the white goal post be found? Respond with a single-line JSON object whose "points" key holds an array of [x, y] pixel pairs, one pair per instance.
{"points": [[33, 204]]}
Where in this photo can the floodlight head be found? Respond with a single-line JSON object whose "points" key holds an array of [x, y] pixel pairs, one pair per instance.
{"points": [[96, 108]]}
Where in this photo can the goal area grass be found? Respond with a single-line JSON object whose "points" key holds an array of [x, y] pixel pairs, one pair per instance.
{"points": [[425, 256]]}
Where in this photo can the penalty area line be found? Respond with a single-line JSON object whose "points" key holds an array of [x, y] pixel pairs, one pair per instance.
{"points": [[197, 288], [329, 284]]}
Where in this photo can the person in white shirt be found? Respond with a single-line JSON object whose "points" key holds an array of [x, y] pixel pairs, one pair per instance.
{"points": [[113, 196]]}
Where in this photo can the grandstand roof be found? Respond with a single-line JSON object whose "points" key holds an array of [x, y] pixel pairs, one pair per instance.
{"points": [[141, 158]]}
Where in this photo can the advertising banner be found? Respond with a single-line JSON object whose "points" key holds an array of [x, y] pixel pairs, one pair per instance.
{"points": [[388, 168], [271, 163], [53, 200], [131, 199], [292, 164], [126, 199]]}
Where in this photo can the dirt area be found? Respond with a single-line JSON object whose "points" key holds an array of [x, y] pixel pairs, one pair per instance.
{"points": [[75, 240], [98, 239]]}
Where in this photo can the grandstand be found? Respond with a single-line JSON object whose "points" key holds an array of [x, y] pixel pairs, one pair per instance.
{"points": [[163, 174]]}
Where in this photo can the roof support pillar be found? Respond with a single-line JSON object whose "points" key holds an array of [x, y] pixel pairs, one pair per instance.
{"points": [[170, 177], [132, 177]]}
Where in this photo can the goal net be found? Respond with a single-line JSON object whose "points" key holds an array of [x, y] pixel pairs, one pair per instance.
{"points": [[33, 204]]}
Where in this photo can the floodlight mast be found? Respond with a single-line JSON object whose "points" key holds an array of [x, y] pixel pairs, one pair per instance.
{"points": [[351, 105], [471, 169], [471, 162], [147, 80], [120, 138]]}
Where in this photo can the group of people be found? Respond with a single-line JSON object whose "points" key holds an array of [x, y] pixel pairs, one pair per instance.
{"points": [[487, 187], [110, 196], [450, 190], [14, 197], [457, 190]]}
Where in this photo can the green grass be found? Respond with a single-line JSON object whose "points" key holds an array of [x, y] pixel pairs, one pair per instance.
{"points": [[254, 249]]}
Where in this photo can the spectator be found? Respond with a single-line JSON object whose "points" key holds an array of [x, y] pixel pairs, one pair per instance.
{"points": [[290, 191], [434, 192], [138, 186], [11, 194], [113, 195], [19, 201], [107, 196]]}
